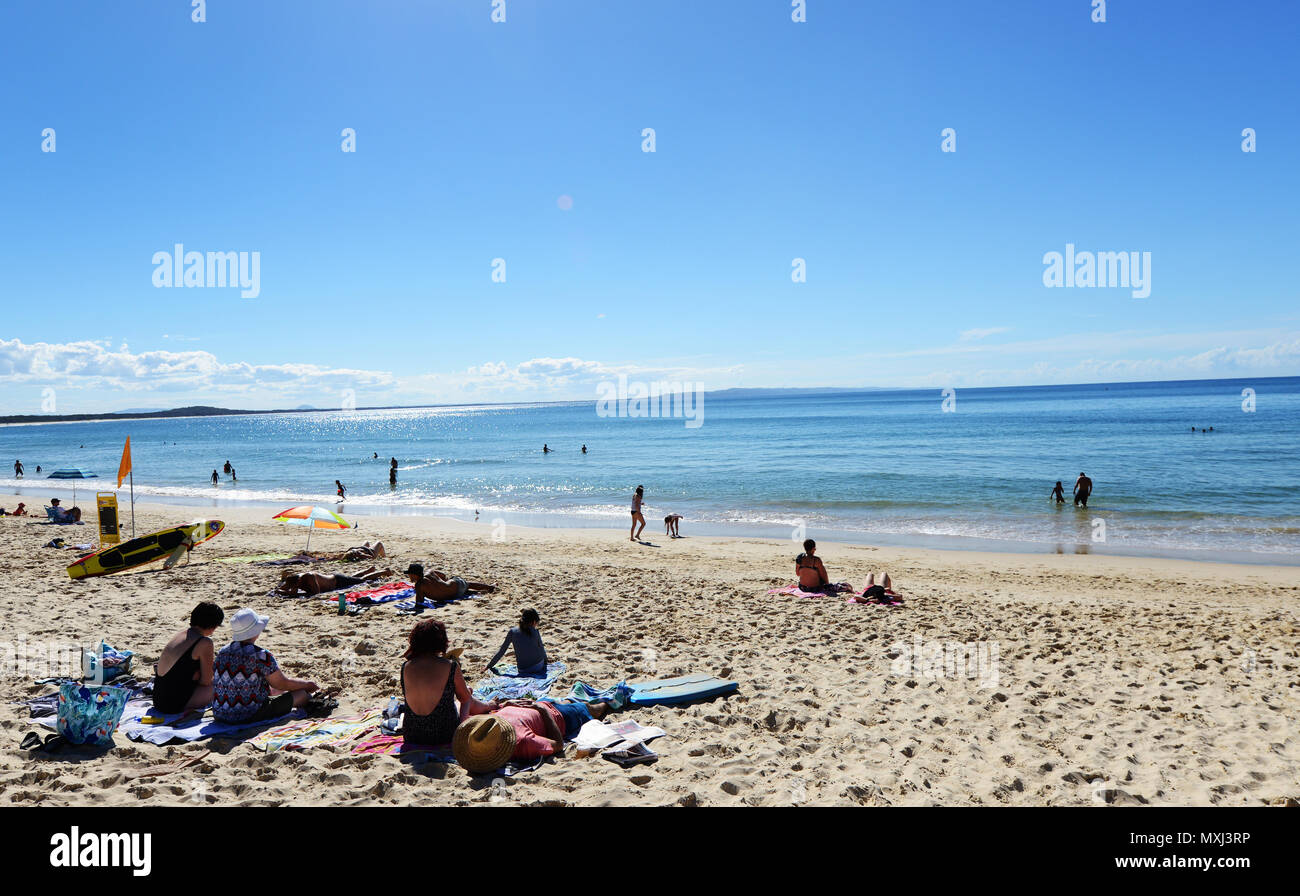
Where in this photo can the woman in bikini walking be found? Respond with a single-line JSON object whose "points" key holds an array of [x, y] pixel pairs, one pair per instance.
{"points": [[637, 516]]}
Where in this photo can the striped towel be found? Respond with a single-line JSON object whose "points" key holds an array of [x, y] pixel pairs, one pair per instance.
{"points": [[325, 732], [392, 745]]}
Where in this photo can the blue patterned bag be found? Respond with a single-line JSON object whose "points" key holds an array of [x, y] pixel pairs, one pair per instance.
{"points": [[89, 715]]}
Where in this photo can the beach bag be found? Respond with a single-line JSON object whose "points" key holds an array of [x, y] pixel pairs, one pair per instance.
{"points": [[89, 715], [106, 663]]}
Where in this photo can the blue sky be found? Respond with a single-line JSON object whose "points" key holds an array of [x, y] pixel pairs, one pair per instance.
{"points": [[775, 140]]}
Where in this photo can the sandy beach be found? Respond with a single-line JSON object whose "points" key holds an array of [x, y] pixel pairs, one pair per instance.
{"points": [[1101, 679]]}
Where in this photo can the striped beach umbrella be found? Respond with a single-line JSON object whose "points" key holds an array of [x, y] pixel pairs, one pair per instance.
{"points": [[73, 473], [313, 518]]}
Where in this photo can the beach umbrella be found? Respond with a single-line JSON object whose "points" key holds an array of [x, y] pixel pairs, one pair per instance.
{"points": [[73, 473], [312, 518]]}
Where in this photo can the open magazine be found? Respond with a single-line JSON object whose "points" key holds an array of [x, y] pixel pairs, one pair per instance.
{"points": [[623, 742]]}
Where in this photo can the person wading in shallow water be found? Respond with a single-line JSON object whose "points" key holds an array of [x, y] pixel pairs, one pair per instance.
{"points": [[1082, 489]]}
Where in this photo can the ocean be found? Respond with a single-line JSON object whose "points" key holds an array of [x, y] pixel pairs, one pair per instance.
{"points": [[968, 470]]}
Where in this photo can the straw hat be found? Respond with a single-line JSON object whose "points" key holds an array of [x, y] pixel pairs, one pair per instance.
{"points": [[483, 743]]}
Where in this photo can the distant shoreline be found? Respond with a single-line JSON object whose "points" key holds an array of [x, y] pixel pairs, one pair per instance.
{"points": [[736, 392]]}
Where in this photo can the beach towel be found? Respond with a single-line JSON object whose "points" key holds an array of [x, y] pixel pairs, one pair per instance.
{"points": [[48, 704], [617, 696], [508, 684], [309, 733], [252, 558], [391, 745], [195, 729], [840, 588], [383, 594]]}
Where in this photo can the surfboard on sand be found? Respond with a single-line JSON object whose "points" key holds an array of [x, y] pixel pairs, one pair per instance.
{"points": [[168, 544], [672, 691]]}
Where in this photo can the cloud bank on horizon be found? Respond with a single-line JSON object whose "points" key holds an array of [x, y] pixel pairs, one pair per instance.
{"points": [[90, 377]]}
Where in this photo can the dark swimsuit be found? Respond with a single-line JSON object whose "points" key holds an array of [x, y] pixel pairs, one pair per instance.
{"points": [[799, 564], [172, 691], [438, 726]]}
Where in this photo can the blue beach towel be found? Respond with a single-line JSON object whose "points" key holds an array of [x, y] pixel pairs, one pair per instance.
{"points": [[165, 733], [617, 696], [508, 684]]}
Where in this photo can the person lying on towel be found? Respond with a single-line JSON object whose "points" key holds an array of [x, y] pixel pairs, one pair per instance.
{"points": [[305, 584], [542, 726], [436, 587], [883, 593]]}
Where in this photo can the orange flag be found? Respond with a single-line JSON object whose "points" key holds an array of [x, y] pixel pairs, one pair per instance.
{"points": [[125, 466]]}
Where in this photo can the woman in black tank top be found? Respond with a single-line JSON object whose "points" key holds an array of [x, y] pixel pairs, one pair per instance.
{"points": [[187, 681]]}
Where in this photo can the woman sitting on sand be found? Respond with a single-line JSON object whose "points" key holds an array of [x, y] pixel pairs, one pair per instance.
{"points": [[810, 569], [305, 584], [530, 654], [431, 684], [183, 674]]}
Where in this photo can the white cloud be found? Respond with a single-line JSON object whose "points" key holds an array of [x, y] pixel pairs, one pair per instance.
{"points": [[91, 365], [982, 333]]}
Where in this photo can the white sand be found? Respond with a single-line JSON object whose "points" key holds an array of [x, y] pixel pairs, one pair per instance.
{"points": [[1173, 682]]}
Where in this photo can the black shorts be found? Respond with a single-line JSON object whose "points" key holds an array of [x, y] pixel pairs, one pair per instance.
{"points": [[274, 708], [341, 581]]}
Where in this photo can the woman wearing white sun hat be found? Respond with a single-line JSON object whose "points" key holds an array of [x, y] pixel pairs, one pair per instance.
{"points": [[247, 683]]}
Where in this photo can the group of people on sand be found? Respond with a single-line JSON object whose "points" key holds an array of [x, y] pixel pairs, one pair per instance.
{"points": [[814, 579], [1082, 489], [243, 683], [432, 587]]}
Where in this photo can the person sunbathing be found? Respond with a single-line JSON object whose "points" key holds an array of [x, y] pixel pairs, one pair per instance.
{"points": [[810, 570], [436, 587], [542, 726], [305, 584], [366, 551], [432, 683], [882, 593], [183, 674]]}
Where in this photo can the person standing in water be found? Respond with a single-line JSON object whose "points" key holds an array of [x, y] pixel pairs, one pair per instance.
{"points": [[342, 491], [1082, 489], [18, 469], [392, 471], [215, 478], [584, 449], [637, 517], [546, 449], [1059, 492]]}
